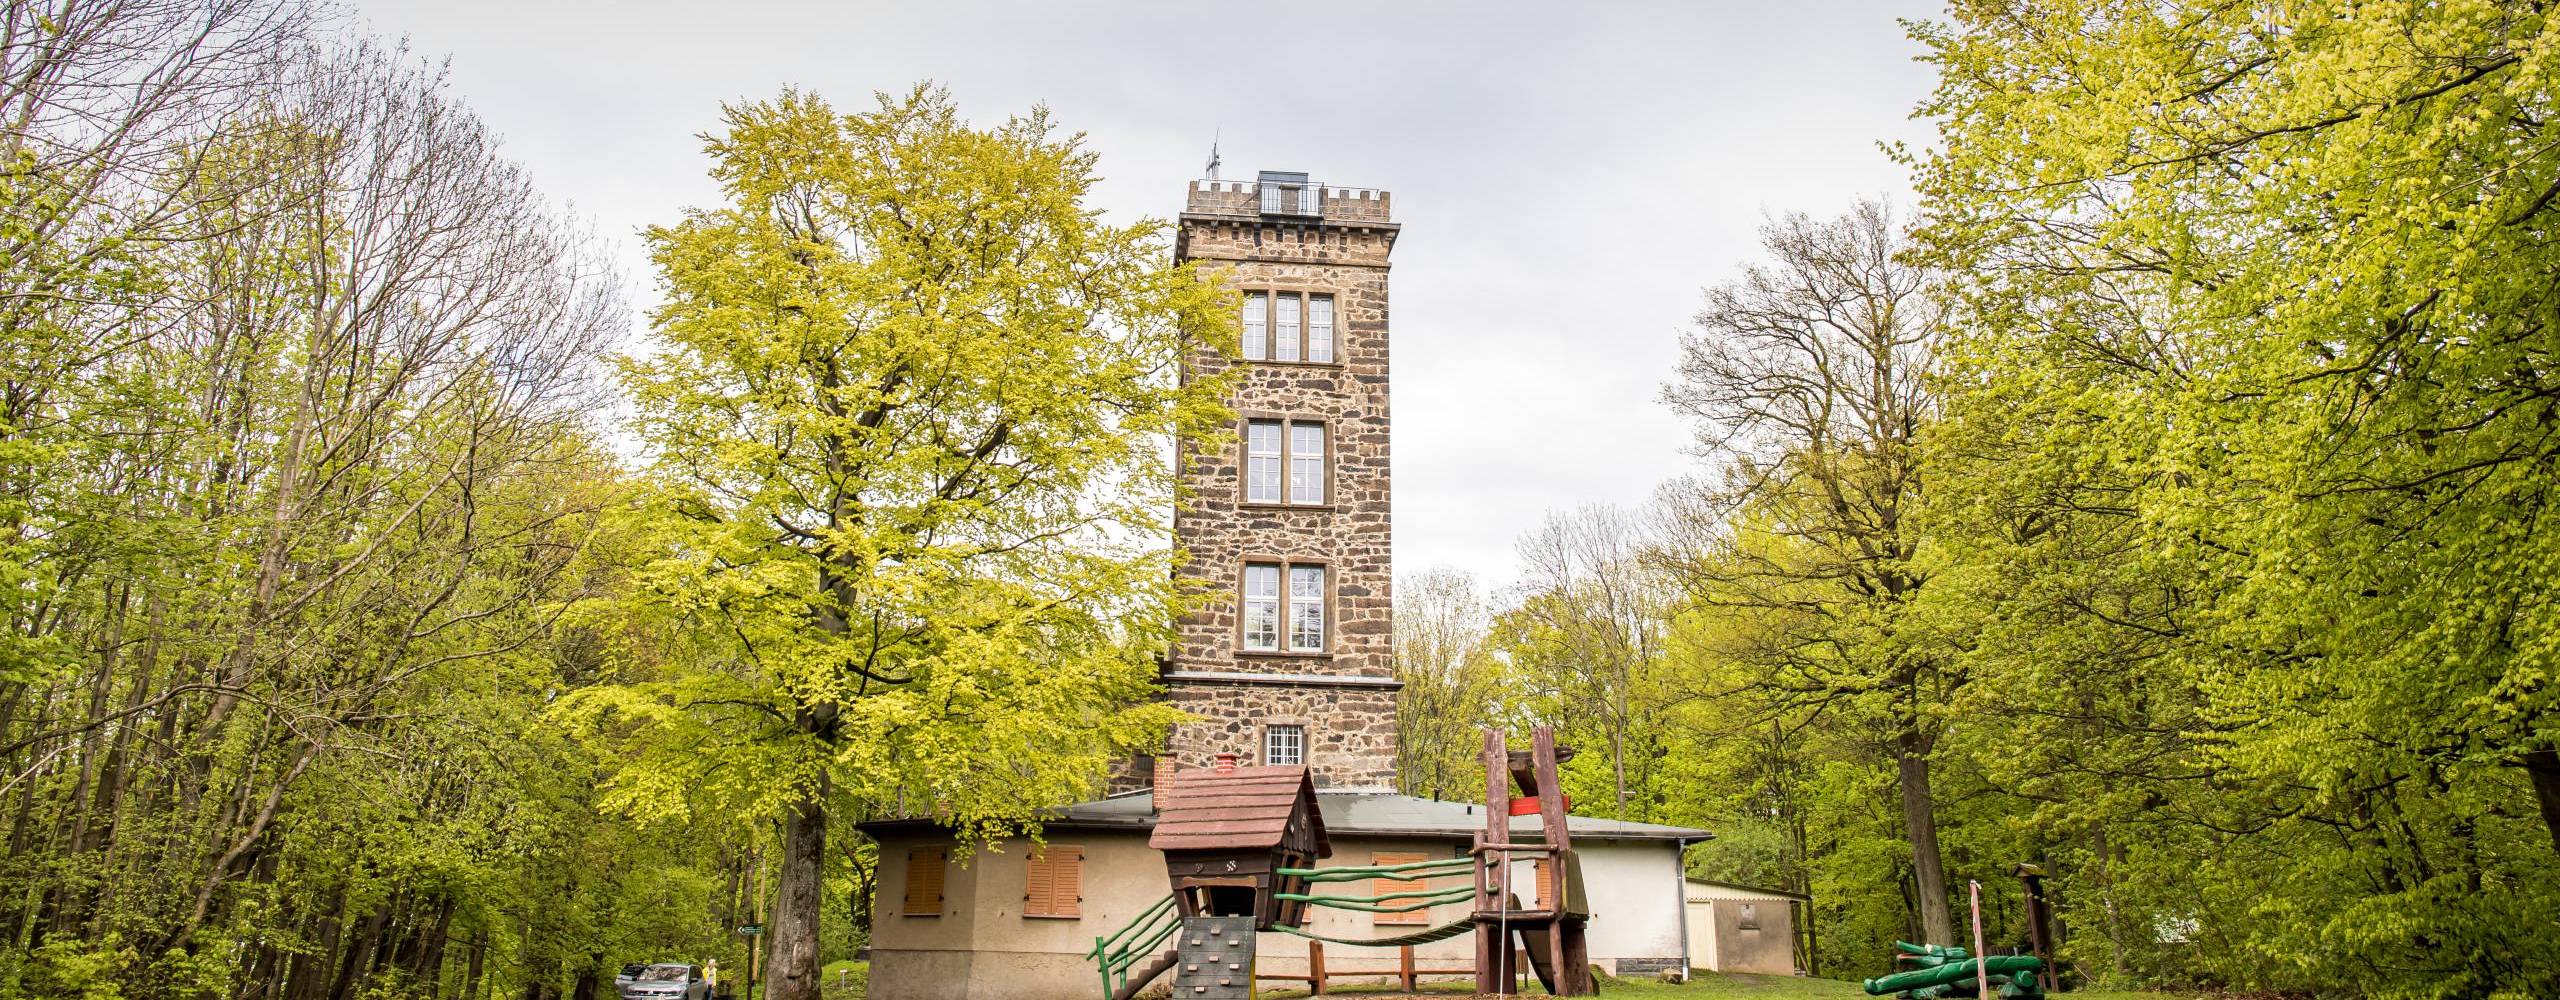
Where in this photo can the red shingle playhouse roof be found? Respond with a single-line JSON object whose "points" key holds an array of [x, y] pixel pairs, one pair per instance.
{"points": [[1245, 809]]}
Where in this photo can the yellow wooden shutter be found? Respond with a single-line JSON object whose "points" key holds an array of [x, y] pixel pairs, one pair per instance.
{"points": [[924, 881], [1385, 886], [1053, 882]]}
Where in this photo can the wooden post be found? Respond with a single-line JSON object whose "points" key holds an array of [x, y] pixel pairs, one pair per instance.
{"points": [[2040, 925], [1315, 967], [1404, 969], [1565, 944], [1493, 874]]}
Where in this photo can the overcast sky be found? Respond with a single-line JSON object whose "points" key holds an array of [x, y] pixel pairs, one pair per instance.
{"points": [[1568, 175]]}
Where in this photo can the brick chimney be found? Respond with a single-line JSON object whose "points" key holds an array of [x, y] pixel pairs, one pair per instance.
{"points": [[1163, 780], [1226, 763]]}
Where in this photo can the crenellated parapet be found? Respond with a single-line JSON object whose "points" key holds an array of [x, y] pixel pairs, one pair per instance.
{"points": [[1288, 198]]}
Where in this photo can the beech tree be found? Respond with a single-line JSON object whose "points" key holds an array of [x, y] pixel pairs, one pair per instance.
{"points": [[1809, 379], [912, 415]]}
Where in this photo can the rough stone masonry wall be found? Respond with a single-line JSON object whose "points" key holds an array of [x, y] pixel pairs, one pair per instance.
{"points": [[1350, 730]]}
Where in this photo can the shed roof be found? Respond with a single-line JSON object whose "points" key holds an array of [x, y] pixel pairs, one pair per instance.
{"points": [[1703, 889], [1248, 808]]}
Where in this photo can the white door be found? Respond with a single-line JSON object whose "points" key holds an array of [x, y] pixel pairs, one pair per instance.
{"points": [[1702, 935]]}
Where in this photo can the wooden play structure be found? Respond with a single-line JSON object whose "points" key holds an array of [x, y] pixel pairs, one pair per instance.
{"points": [[1240, 846]]}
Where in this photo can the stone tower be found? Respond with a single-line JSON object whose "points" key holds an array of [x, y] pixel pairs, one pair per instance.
{"points": [[1291, 526]]}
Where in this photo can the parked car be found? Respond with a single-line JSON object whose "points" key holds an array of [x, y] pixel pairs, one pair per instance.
{"points": [[668, 981], [628, 973]]}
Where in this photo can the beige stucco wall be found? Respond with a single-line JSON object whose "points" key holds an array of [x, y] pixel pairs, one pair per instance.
{"points": [[982, 946], [1718, 941]]}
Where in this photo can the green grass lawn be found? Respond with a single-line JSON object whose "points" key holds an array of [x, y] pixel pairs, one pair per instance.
{"points": [[845, 981], [1707, 986]]}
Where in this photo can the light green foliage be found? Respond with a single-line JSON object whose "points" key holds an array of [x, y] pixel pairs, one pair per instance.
{"points": [[912, 416], [2255, 439], [909, 418]]}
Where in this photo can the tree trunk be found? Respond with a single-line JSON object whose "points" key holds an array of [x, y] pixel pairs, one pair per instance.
{"points": [[1920, 817], [479, 960], [792, 969], [2544, 766]]}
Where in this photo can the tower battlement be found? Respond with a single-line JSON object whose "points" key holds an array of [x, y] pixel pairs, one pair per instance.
{"points": [[1285, 200]]}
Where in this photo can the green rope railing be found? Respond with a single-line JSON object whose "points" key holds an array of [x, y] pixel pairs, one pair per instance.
{"points": [[1424, 936], [1374, 904], [1411, 872]]}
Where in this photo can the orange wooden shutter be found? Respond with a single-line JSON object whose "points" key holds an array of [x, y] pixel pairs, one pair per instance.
{"points": [[1069, 884], [1384, 886], [924, 881], [1546, 883], [1053, 882]]}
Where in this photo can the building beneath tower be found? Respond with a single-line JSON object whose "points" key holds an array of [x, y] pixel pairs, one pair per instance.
{"points": [[1290, 529]]}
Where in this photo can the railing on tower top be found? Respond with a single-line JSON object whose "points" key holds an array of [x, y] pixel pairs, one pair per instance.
{"points": [[1292, 199]]}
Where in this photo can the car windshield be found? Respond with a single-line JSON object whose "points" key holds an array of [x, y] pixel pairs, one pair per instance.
{"points": [[664, 974]]}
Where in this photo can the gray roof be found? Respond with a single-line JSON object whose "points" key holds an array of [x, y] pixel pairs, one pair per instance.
{"points": [[1356, 811]]}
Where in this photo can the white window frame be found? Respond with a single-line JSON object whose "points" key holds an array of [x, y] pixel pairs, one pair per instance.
{"points": [[1305, 462], [1288, 325], [1299, 608], [1266, 469], [1282, 326], [1285, 607], [1257, 327], [1320, 345], [1293, 735], [1261, 607], [1280, 473]]}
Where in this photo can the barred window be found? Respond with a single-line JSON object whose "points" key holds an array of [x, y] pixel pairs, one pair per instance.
{"points": [[1284, 746]]}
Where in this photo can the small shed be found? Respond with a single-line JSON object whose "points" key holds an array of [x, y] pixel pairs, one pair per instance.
{"points": [[1740, 928], [1226, 832]]}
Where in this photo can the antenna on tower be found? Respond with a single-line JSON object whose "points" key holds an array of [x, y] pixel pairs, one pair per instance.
{"points": [[1213, 155]]}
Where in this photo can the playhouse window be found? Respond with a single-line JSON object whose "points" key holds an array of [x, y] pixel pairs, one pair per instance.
{"points": [[1284, 746]]}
